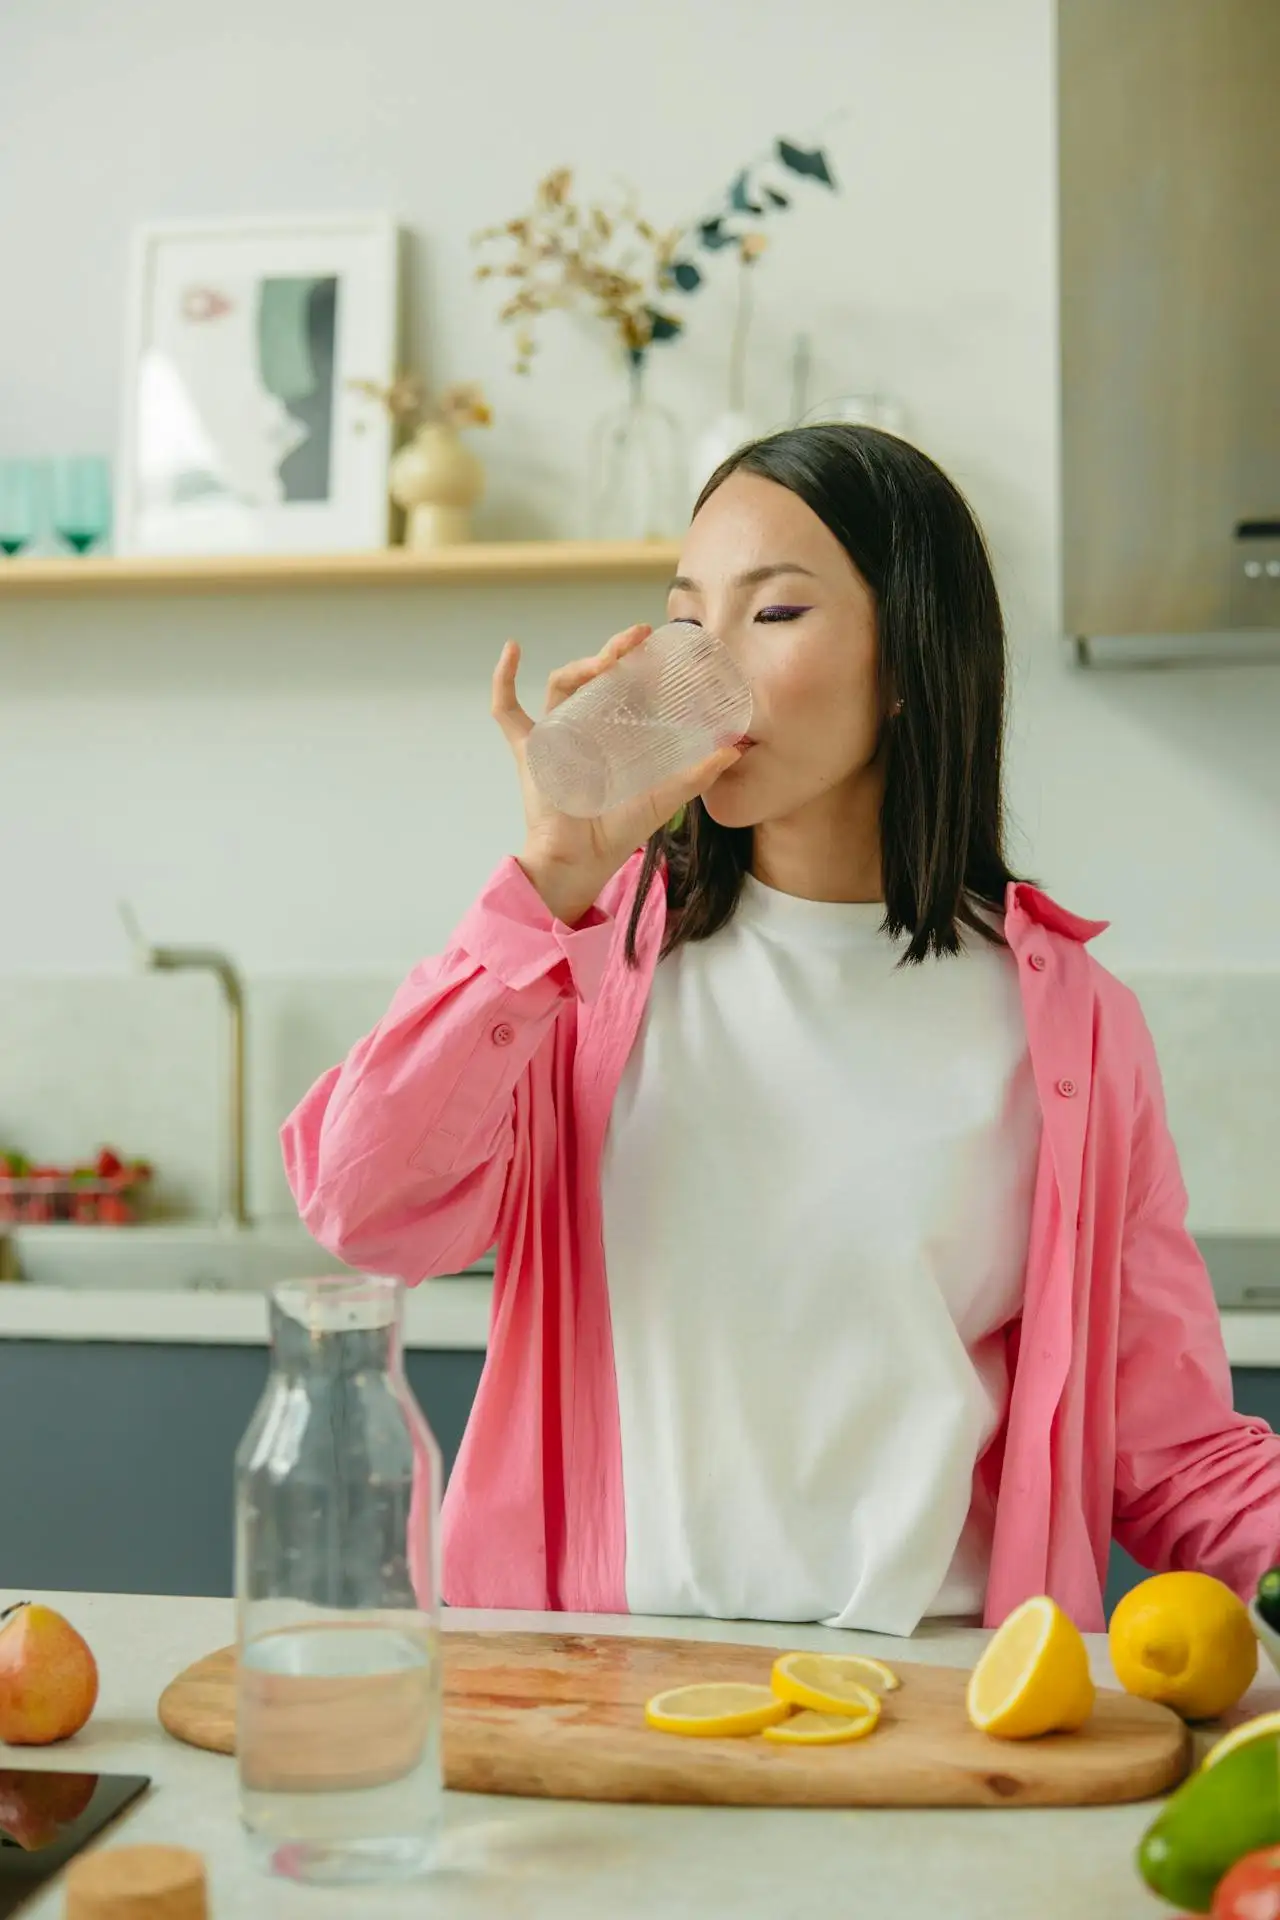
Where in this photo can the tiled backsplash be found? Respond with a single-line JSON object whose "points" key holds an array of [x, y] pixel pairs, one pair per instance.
{"points": [[1218, 1038], [139, 1061]]}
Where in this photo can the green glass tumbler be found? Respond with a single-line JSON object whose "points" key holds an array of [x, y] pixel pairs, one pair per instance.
{"points": [[82, 501], [21, 500]]}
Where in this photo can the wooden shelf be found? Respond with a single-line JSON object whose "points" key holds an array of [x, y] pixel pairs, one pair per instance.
{"points": [[482, 563]]}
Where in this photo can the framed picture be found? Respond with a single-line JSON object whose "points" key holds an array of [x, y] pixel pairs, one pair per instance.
{"points": [[242, 430]]}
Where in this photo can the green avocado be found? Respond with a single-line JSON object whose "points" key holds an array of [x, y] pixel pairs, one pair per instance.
{"points": [[1214, 1819]]}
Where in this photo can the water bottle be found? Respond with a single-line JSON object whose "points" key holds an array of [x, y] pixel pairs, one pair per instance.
{"points": [[338, 1692]]}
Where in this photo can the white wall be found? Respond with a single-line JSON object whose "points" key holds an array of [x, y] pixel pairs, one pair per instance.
{"points": [[312, 781]]}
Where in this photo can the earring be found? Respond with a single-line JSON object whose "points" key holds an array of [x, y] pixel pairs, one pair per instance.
{"points": [[895, 709]]}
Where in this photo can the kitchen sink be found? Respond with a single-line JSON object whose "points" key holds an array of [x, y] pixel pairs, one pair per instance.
{"points": [[168, 1256], [199, 1256]]}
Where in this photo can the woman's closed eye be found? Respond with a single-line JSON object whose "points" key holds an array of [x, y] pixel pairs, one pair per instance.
{"points": [[767, 616]]}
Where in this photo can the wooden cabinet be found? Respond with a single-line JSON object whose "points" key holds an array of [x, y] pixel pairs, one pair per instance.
{"points": [[1169, 173]]}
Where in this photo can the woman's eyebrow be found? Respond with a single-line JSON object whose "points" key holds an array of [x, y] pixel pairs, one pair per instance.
{"points": [[754, 578]]}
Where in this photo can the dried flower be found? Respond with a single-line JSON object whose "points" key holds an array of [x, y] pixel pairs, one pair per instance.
{"points": [[403, 399], [464, 405], [562, 255], [460, 405], [618, 265]]}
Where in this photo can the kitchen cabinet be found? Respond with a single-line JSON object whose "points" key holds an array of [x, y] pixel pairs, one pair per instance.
{"points": [[1169, 184], [116, 1459]]}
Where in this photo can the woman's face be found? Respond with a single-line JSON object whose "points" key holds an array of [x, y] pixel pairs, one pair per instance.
{"points": [[763, 573]]}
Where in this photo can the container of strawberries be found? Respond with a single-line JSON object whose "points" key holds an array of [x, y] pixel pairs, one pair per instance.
{"points": [[107, 1192]]}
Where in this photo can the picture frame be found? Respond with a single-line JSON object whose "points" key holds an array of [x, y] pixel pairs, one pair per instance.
{"points": [[242, 427]]}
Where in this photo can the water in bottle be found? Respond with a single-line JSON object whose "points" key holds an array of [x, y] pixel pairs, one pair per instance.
{"points": [[338, 1684]]}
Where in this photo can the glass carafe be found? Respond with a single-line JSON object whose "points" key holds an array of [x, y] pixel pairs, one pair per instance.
{"points": [[339, 1692]]}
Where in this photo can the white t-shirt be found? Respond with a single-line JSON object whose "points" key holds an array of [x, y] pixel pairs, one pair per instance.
{"points": [[817, 1192]]}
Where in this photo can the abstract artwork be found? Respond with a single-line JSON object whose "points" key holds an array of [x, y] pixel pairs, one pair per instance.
{"points": [[246, 428]]}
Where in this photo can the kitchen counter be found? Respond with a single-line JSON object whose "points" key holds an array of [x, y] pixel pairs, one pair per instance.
{"points": [[525, 1859], [448, 1314]]}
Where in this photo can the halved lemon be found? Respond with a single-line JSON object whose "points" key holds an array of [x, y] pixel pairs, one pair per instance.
{"points": [[832, 1683], [1034, 1676], [806, 1729], [716, 1711], [1241, 1736]]}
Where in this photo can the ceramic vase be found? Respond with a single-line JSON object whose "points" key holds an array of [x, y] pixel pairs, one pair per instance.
{"points": [[437, 480]]}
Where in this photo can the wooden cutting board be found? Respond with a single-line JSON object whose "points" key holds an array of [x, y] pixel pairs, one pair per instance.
{"points": [[561, 1716]]}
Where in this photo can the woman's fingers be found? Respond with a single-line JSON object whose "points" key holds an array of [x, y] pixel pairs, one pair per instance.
{"points": [[567, 680], [506, 708], [625, 642], [665, 801]]}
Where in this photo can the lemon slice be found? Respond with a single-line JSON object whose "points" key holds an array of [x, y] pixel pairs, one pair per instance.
{"points": [[714, 1711], [1241, 1736], [807, 1729], [1033, 1677], [832, 1683]]}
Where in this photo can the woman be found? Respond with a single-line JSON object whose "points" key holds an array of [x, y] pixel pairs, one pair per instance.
{"points": [[842, 1267]]}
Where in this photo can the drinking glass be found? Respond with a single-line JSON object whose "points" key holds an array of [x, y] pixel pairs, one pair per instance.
{"points": [[663, 707], [338, 1690], [20, 504], [82, 501]]}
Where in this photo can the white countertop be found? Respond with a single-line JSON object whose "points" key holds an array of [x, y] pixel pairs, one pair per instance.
{"points": [[525, 1859], [1252, 1339], [442, 1314]]}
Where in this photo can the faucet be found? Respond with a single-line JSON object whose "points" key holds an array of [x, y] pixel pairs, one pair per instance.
{"points": [[233, 1211]]}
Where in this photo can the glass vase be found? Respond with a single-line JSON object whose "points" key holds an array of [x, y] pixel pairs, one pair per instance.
{"points": [[338, 1693], [637, 475]]}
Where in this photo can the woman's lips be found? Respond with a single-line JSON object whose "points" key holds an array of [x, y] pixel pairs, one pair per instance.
{"points": [[744, 743]]}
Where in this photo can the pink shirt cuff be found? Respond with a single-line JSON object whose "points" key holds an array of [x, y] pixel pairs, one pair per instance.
{"points": [[512, 934]]}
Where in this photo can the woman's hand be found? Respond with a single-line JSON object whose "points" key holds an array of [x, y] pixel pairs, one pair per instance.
{"points": [[570, 861]]}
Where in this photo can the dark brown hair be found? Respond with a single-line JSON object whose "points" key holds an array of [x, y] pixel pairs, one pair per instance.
{"points": [[913, 538]]}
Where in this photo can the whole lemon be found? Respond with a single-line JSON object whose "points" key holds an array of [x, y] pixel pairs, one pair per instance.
{"points": [[1185, 1640]]}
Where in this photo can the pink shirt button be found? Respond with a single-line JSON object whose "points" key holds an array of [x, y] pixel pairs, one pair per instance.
{"points": [[1067, 1088], [502, 1034], [1038, 962]]}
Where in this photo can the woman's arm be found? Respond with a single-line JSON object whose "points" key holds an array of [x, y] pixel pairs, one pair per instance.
{"points": [[398, 1158], [1197, 1485]]}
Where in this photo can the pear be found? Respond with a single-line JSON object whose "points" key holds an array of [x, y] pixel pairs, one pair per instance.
{"points": [[48, 1677]]}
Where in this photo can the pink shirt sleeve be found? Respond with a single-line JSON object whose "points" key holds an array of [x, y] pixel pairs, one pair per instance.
{"points": [[1197, 1485], [398, 1158]]}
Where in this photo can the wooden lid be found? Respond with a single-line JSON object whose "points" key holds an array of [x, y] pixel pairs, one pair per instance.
{"points": [[138, 1883]]}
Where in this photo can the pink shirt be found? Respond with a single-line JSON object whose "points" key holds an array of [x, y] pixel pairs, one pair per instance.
{"points": [[476, 1113]]}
